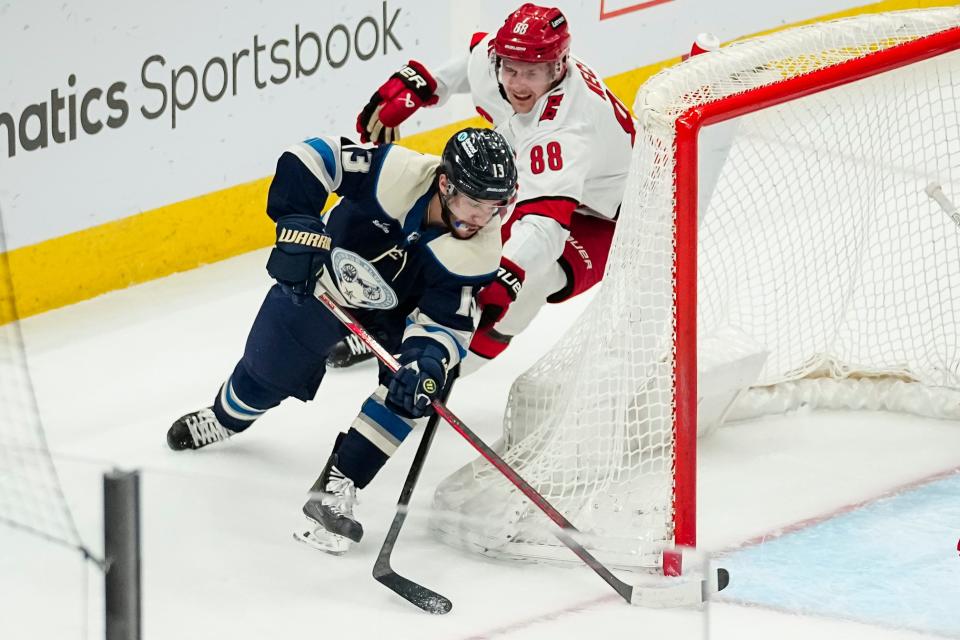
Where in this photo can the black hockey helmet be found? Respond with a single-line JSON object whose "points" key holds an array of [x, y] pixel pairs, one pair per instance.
{"points": [[480, 164]]}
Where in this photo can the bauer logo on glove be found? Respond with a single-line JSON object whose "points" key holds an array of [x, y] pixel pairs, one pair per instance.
{"points": [[495, 298], [416, 79], [396, 100], [513, 282]]}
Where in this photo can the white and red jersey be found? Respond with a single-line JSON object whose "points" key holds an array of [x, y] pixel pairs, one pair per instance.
{"points": [[573, 150]]}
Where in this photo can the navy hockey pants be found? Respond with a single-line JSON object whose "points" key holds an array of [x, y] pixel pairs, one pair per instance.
{"points": [[288, 345]]}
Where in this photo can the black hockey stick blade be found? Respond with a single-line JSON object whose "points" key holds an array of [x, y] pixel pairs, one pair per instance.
{"points": [[418, 595]]}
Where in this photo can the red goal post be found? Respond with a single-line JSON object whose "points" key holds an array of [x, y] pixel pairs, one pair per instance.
{"points": [[688, 127]]}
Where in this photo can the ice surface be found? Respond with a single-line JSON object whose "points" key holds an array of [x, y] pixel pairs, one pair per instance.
{"points": [[218, 559]]}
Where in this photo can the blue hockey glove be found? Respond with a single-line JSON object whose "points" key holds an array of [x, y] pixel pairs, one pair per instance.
{"points": [[420, 379], [297, 260]]}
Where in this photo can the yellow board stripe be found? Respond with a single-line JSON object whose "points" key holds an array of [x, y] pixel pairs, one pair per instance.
{"points": [[139, 248], [218, 225]]}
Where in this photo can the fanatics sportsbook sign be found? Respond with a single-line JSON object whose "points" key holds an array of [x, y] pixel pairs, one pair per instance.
{"points": [[134, 105], [170, 87], [137, 105]]}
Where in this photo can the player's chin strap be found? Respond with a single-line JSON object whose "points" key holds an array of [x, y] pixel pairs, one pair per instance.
{"points": [[684, 590]]}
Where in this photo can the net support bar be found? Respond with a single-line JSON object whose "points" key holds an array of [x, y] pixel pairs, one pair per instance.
{"points": [[121, 545]]}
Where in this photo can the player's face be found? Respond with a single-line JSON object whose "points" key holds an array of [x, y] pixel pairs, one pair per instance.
{"points": [[467, 215], [525, 82]]}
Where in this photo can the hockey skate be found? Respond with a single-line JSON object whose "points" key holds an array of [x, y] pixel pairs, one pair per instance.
{"points": [[196, 430], [348, 352], [330, 525]]}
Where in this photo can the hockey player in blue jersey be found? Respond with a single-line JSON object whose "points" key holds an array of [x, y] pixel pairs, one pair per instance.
{"points": [[408, 246]]}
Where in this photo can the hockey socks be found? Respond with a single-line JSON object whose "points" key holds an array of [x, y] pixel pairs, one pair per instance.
{"points": [[374, 436], [359, 459], [241, 400]]}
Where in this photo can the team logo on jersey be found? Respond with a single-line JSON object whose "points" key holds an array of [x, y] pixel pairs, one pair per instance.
{"points": [[550, 108], [359, 281]]}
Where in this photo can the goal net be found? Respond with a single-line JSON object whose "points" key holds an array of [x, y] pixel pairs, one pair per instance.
{"points": [[30, 495], [822, 272]]}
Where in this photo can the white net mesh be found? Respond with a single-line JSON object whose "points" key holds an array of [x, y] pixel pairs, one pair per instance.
{"points": [[30, 494], [820, 251]]}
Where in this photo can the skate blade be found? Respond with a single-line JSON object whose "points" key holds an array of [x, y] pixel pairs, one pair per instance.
{"points": [[327, 542]]}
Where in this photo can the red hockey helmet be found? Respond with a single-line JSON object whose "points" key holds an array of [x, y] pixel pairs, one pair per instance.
{"points": [[533, 34]]}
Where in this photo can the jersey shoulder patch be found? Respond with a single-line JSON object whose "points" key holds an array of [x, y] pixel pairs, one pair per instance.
{"points": [[404, 177], [321, 156], [477, 257]]}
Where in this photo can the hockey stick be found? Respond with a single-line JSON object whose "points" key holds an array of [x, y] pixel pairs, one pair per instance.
{"points": [[417, 594], [935, 191], [676, 594]]}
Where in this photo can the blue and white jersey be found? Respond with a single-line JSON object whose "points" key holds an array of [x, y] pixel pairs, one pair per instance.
{"points": [[384, 257]]}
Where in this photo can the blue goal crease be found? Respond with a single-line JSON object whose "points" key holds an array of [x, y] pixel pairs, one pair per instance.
{"points": [[893, 562]]}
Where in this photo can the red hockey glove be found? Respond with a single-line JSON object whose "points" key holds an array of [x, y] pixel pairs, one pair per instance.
{"points": [[406, 91], [496, 297]]}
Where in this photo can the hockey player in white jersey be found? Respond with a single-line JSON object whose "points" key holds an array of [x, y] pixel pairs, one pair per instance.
{"points": [[573, 139]]}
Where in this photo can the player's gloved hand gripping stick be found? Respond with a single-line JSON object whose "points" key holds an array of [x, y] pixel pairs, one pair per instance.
{"points": [[297, 258], [669, 592], [420, 379]]}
